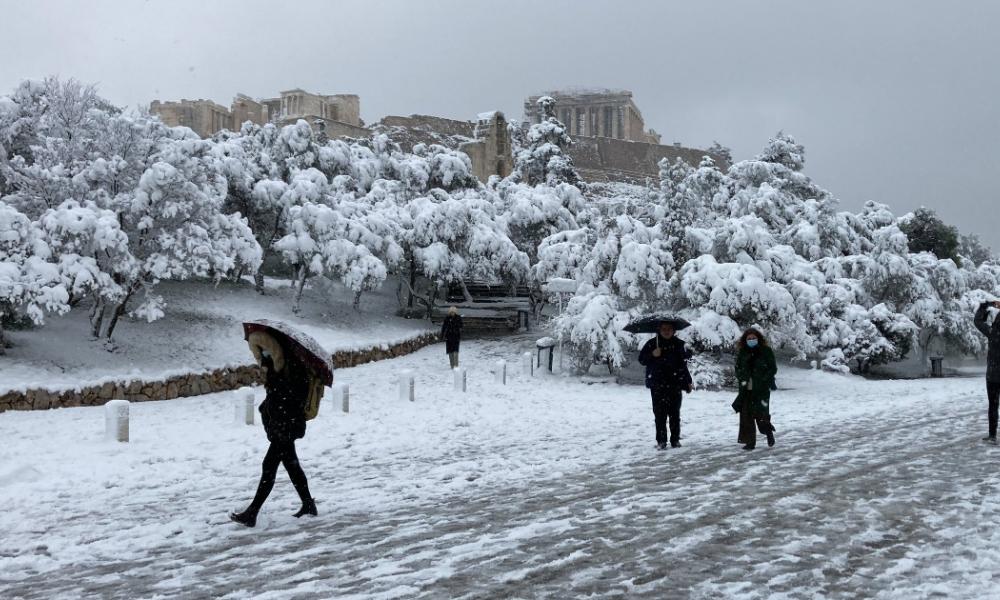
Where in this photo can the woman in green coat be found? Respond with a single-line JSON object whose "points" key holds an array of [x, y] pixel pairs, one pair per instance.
{"points": [[755, 371]]}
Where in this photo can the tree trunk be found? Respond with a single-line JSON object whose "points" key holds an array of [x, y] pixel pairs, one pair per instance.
{"points": [[96, 317], [413, 283], [118, 311], [299, 287], [3, 339], [357, 300], [466, 294], [258, 282], [432, 300]]}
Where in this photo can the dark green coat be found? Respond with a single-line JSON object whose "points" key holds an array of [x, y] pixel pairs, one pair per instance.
{"points": [[755, 371]]}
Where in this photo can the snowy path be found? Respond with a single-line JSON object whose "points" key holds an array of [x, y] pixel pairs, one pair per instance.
{"points": [[507, 495]]}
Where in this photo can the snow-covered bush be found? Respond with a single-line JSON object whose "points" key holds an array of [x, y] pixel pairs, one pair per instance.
{"points": [[30, 284]]}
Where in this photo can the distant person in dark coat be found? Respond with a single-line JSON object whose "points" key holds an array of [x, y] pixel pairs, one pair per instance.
{"points": [[282, 412], [755, 371], [451, 333], [667, 378], [992, 364]]}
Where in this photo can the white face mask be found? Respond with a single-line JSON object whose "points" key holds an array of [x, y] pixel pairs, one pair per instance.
{"points": [[752, 343], [265, 354]]}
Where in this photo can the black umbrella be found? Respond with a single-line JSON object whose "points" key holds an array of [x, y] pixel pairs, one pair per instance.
{"points": [[303, 346], [651, 323]]}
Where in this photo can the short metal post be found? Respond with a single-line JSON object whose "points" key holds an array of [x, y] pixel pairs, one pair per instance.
{"points": [[527, 365], [461, 379]]}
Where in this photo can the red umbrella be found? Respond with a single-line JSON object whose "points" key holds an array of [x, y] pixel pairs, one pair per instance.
{"points": [[303, 346]]}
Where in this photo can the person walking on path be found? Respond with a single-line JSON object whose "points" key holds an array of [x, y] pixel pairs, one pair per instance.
{"points": [[755, 371], [667, 378], [451, 333], [992, 365], [282, 412]]}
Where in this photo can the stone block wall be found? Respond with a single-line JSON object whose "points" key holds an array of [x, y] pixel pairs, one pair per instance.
{"points": [[193, 384]]}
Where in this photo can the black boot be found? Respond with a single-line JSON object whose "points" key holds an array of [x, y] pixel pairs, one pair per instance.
{"points": [[308, 508], [770, 438], [247, 518], [749, 447]]}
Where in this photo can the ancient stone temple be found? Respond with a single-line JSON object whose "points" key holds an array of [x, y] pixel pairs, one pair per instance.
{"points": [[596, 113], [610, 139], [336, 115]]}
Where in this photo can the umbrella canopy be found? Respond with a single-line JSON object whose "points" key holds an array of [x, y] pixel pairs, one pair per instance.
{"points": [[301, 345], [651, 323]]}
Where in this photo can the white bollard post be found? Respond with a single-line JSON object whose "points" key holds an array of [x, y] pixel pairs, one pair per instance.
{"points": [[116, 420], [500, 372], [406, 385], [345, 397], [461, 379], [244, 407], [527, 364]]}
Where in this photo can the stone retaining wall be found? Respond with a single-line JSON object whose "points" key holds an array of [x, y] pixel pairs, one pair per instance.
{"points": [[193, 384]]}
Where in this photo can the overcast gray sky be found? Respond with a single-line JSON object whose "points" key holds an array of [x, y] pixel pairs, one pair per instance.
{"points": [[895, 100]]}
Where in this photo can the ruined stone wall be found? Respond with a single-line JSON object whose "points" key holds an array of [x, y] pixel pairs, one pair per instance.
{"points": [[476, 151], [193, 384], [348, 108], [204, 117], [437, 125], [607, 159], [339, 129], [246, 109]]}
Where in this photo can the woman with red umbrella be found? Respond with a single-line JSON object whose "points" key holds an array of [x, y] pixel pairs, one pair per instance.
{"points": [[287, 381]]}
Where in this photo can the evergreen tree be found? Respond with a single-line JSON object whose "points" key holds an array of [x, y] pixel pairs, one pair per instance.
{"points": [[543, 159], [926, 232]]}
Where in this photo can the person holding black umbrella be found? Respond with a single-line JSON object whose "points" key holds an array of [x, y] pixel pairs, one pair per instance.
{"points": [[288, 380], [667, 378]]}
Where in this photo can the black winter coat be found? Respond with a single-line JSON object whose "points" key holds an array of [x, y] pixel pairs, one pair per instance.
{"points": [[993, 333], [283, 410], [451, 333], [669, 370]]}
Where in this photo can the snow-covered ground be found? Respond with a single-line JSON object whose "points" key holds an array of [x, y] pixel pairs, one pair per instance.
{"points": [[201, 330], [543, 488]]}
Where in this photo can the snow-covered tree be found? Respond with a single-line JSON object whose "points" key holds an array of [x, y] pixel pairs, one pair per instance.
{"points": [[972, 249], [926, 232], [174, 223], [627, 273], [30, 284], [543, 158]]}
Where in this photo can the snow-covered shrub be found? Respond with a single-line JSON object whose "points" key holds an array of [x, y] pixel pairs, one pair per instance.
{"points": [[30, 284]]}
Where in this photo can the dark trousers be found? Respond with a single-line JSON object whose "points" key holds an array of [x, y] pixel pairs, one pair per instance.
{"points": [[748, 431], [667, 406], [993, 396], [280, 453]]}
